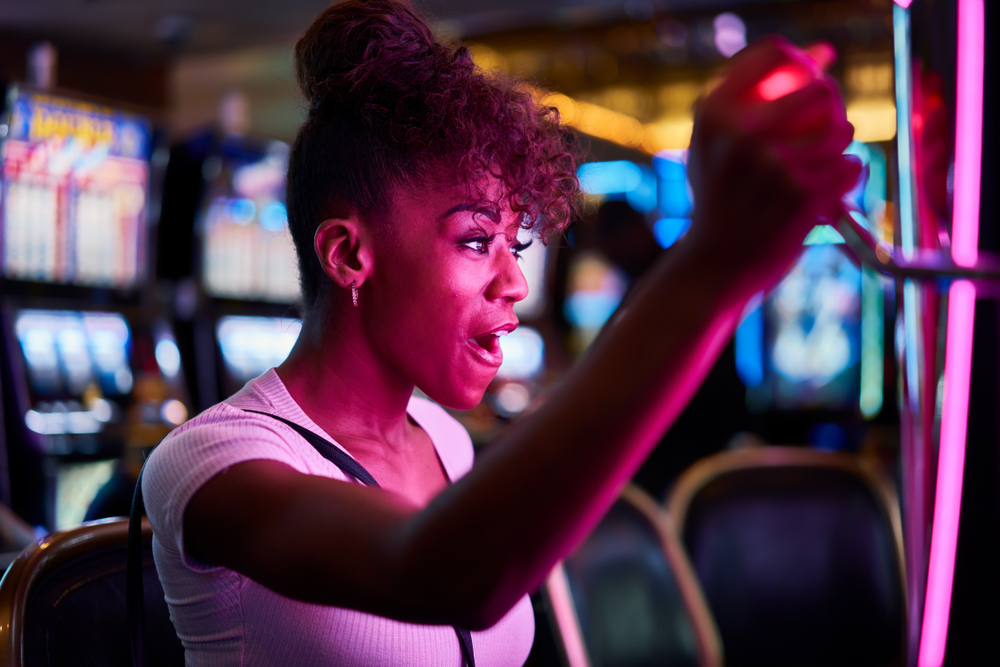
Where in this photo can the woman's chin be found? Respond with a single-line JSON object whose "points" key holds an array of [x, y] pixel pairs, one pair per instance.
{"points": [[458, 398]]}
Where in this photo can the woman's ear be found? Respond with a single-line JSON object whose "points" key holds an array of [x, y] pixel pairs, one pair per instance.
{"points": [[342, 245]]}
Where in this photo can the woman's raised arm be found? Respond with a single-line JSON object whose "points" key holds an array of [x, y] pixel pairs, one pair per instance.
{"points": [[762, 173]]}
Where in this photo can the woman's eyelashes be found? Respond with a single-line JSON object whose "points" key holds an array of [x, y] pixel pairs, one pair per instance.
{"points": [[481, 245]]}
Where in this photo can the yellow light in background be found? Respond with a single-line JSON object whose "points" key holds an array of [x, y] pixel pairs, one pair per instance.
{"points": [[487, 59], [629, 100], [619, 128], [873, 114], [567, 106], [526, 62], [874, 119], [597, 121], [667, 134], [607, 124], [887, 223], [871, 79]]}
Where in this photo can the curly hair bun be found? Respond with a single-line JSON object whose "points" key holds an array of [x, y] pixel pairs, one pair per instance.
{"points": [[391, 106], [363, 52]]}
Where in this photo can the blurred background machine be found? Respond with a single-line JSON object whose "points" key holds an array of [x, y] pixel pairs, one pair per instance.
{"points": [[88, 372], [229, 261]]}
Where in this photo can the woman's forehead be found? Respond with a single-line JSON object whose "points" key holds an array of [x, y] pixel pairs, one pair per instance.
{"points": [[446, 200]]}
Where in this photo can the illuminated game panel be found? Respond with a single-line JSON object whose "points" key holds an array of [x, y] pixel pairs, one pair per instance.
{"points": [[74, 192], [251, 345], [74, 360], [814, 331], [248, 251]]}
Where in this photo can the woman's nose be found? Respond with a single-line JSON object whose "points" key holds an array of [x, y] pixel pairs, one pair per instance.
{"points": [[509, 281]]}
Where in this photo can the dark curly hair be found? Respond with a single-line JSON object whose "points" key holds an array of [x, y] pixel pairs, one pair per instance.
{"points": [[391, 106]]}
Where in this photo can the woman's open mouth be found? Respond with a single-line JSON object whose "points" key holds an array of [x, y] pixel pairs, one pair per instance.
{"points": [[487, 347]]}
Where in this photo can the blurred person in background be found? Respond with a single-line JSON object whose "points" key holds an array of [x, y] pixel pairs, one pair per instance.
{"points": [[407, 186], [623, 236]]}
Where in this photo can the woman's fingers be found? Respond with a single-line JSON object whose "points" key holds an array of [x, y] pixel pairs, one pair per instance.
{"points": [[826, 184], [805, 111], [819, 147], [822, 53], [767, 150]]}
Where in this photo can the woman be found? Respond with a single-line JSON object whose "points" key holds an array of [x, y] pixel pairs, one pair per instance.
{"points": [[407, 186]]}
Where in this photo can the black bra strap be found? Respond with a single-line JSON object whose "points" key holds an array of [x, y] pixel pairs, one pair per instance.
{"points": [[328, 450], [134, 599], [342, 460]]}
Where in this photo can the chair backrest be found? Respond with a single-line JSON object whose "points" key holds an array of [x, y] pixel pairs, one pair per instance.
{"points": [[799, 554], [62, 602], [627, 596]]}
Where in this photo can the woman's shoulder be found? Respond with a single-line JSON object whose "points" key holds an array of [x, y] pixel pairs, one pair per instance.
{"points": [[221, 418], [235, 420], [223, 436], [450, 438]]}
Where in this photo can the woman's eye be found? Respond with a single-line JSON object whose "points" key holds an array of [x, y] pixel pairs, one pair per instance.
{"points": [[480, 245], [518, 248]]}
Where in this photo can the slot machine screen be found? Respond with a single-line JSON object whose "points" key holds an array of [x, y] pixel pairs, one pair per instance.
{"points": [[68, 352], [813, 332], [75, 182], [251, 345], [247, 251], [523, 354]]}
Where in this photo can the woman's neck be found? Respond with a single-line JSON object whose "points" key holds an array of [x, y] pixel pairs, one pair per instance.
{"points": [[340, 383]]}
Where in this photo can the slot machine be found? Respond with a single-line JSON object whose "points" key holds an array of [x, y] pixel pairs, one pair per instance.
{"points": [[89, 374], [811, 351], [230, 259]]}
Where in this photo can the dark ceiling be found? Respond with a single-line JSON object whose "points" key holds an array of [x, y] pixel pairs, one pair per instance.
{"points": [[204, 26]]}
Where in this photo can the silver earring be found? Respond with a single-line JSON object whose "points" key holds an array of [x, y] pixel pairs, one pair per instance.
{"points": [[354, 292]]}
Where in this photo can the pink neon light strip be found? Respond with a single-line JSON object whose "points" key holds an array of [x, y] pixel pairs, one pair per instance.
{"points": [[961, 319], [951, 462], [569, 627], [968, 132]]}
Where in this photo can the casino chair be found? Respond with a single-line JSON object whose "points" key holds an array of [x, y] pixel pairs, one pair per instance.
{"points": [[62, 602], [627, 597], [799, 554]]}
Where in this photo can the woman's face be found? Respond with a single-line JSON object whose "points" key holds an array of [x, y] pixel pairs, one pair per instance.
{"points": [[442, 290]]}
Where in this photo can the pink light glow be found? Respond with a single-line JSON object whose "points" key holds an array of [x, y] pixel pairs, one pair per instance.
{"points": [[968, 132], [905, 4], [781, 82], [951, 461], [569, 627], [958, 346]]}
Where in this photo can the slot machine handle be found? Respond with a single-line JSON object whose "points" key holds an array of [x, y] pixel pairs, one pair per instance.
{"points": [[865, 249]]}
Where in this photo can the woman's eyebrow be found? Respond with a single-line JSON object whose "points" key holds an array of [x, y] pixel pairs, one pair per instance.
{"points": [[492, 213]]}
